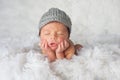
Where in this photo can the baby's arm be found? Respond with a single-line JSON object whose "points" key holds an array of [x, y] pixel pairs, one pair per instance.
{"points": [[70, 51], [61, 48], [46, 50], [51, 56]]}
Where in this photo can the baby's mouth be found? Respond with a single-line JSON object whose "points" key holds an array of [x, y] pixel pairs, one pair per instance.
{"points": [[53, 45]]}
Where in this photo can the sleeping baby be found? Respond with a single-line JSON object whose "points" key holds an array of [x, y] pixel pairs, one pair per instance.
{"points": [[54, 32]]}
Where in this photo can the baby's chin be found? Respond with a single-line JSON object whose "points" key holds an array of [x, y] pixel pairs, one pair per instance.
{"points": [[53, 48]]}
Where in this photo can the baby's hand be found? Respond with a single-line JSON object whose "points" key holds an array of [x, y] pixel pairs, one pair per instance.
{"points": [[47, 50], [44, 46], [62, 46]]}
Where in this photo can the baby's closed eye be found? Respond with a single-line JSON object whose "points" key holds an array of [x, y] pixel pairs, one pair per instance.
{"points": [[60, 33], [46, 33]]}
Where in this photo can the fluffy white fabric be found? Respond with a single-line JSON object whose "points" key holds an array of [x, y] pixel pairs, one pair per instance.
{"points": [[95, 24], [98, 60]]}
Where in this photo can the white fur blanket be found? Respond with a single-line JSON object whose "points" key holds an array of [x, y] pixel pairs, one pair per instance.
{"points": [[98, 60]]}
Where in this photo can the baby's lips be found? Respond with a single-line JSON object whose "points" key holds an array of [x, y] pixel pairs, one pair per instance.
{"points": [[53, 44]]}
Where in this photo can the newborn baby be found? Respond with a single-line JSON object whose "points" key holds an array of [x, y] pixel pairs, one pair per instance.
{"points": [[54, 32]]}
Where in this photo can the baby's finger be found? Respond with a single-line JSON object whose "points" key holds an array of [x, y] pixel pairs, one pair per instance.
{"points": [[58, 46], [62, 45], [46, 46], [67, 40], [42, 41], [58, 49], [39, 44], [43, 44], [66, 43]]}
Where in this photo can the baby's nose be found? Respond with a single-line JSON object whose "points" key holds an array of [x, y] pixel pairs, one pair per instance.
{"points": [[53, 36]]}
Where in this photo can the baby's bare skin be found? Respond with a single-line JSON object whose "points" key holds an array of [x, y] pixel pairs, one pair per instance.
{"points": [[55, 41], [55, 54]]}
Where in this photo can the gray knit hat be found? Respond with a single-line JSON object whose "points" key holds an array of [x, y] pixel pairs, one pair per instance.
{"points": [[55, 14]]}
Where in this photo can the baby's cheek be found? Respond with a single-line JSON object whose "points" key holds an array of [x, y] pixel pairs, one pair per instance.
{"points": [[43, 38], [61, 40]]}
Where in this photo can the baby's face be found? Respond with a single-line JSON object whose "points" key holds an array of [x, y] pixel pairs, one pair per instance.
{"points": [[54, 33]]}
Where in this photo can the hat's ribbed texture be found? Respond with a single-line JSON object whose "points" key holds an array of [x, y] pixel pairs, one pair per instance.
{"points": [[55, 14]]}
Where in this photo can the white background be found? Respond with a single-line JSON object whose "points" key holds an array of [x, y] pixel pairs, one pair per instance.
{"points": [[89, 17]]}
